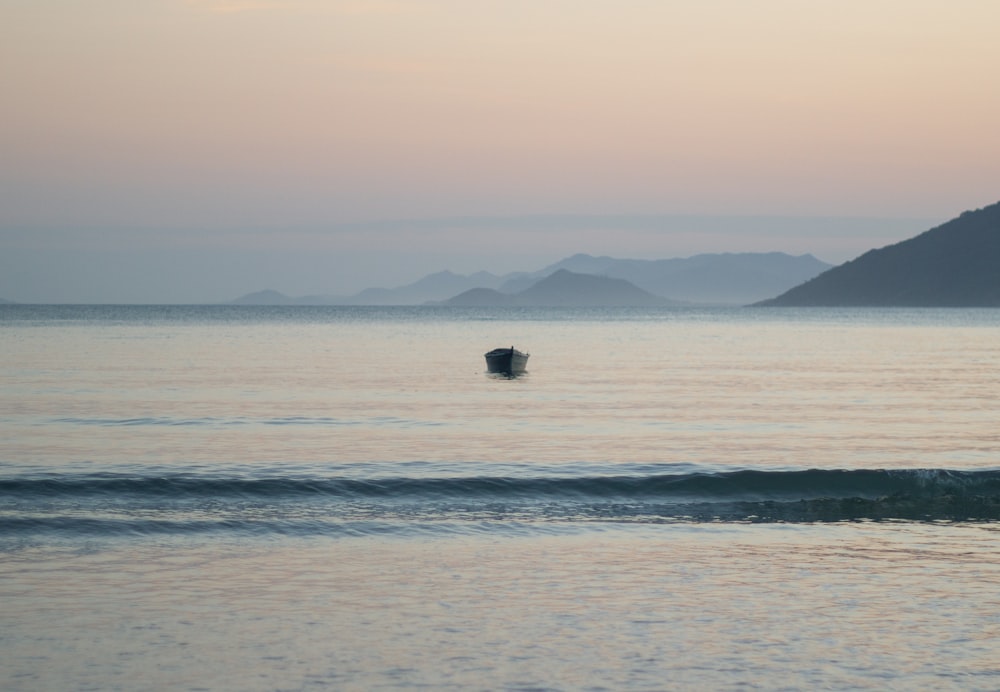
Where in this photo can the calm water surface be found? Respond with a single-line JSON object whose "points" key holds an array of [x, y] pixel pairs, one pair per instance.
{"points": [[289, 498]]}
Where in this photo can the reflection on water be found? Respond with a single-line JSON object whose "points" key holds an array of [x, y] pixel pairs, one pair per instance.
{"points": [[857, 606], [717, 390], [519, 565], [506, 375]]}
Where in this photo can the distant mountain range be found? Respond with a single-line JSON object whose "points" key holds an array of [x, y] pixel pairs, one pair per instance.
{"points": [[956, 264], [721, 279], [564, 288]]}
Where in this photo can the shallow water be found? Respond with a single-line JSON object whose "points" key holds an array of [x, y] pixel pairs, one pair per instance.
{"points": [[244, 498]]}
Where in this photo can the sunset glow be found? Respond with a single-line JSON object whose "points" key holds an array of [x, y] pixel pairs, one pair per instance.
{"points": [[226, 116]]}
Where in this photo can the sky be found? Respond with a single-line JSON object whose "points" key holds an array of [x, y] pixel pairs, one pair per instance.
{"points": [[197, 150]]}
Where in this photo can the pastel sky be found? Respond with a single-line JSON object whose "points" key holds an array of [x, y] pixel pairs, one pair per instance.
{"points": [[192, 150]]}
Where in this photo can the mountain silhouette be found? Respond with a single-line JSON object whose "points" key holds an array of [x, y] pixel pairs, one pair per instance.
{"points": [[481, 297], [719, 278], [564, 288], [430, 288], [956, 264]]}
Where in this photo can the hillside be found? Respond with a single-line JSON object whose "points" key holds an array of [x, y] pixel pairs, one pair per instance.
{"points": [[481, 297], [956, 264], [564, 288]]}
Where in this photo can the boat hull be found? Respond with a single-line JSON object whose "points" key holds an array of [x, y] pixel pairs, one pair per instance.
{"points": [[506, 361]]}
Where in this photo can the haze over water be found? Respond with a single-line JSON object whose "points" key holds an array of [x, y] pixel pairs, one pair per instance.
{"points": [[192, 151], [288, 498], [243, 498]]}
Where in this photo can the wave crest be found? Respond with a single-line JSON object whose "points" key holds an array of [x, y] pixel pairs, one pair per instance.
{"points": [[190, 503]]}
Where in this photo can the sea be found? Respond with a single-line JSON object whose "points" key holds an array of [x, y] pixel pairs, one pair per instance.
{"points": [[341, 498]]}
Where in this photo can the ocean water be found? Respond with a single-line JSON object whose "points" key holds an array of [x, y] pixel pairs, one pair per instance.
{"points": [[299, 498]]}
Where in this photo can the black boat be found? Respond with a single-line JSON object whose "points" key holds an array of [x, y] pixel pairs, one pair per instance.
{"points": [[506, 361]]}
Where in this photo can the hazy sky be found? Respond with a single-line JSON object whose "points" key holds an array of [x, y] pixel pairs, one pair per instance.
{"points": [[189, 150]]}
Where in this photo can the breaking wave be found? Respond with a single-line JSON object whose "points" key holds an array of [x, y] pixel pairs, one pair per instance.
{"points": [[185, 503]]}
